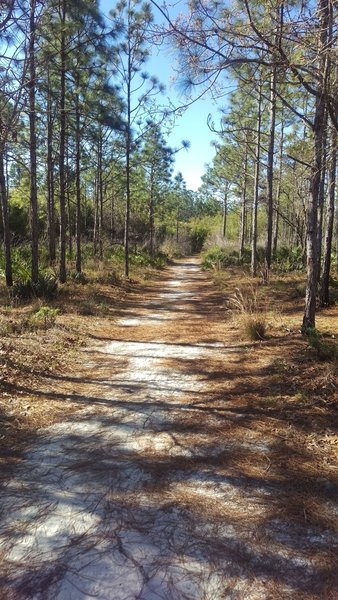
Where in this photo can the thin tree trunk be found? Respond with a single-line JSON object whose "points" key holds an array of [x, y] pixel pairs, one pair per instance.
{"points": [[151, 211], [6, 173], [32, 145], [324, 286], [100, 196], [50, 181], [243, 202], [128, 151], [96, 215], [5, 222], [278, 191], [68, 201], [321, 196], [225, 210], [256, 184], [78, 183], [271, 149], [112, 217], [62, 193]]}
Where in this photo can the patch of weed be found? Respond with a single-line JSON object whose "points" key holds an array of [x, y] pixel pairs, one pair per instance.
{"points": [[44, 318], [326, 348]]}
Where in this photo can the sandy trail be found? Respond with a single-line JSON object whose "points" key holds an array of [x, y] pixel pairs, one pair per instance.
{"points": [[139, 495]]}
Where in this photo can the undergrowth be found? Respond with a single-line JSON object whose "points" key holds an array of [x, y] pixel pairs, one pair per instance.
{"points": [[325, 348], [251, 319]]}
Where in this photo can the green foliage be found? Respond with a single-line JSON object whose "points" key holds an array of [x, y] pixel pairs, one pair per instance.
{"points": [[138, 257], [326, 348], [333, 284], [18, 219], [289, 259], [78, 277], [220, 258], [45, 287], [116, 253], [143, 258], [198, 235], [44, 318]]}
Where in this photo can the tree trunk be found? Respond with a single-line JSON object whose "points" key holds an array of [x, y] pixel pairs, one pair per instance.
{"points": [[112, 217], [256, 184], [100, 197], [324, 286], [62, 193], [278, 190], [243, 202], [321, 196], [78, 183], [128, 152], [225, 210], [96, 215], [32, 145], [312, 213], [68, 200], [5, 221], [151, 211], [271, 149], [50, 180]]}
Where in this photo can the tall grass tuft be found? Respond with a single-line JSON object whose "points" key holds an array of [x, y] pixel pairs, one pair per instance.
{"points": [[251, 319]]}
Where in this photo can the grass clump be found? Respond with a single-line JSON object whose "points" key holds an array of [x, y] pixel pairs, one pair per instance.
{"points": [[79, 278], [44, 318], [254, 327], [252, 321], [325, 348], [41, 319], [87, 308]]}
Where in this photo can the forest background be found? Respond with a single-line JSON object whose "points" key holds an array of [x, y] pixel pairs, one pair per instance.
{"points": [[86, 171]]}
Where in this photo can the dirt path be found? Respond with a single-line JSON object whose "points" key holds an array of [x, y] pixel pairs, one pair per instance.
{"points": [[160, 487]]}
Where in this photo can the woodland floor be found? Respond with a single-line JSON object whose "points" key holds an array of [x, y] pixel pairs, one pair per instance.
{"points": [[168, 458]]}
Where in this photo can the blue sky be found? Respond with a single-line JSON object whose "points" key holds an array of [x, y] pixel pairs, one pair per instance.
{"points": [[192, 125]]}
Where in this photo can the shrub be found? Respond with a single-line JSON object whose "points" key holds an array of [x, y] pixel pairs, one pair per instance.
{"points": [[78, 277], [143, 258], [45, 287], [171, 249], [44, 318], [87, 308], [198, 235], [220, 257], [114, 278], [289, 259]]}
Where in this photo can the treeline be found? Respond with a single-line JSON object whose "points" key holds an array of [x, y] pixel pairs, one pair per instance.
{"points": [[83, 127], [278, 135], [83, 154]]}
